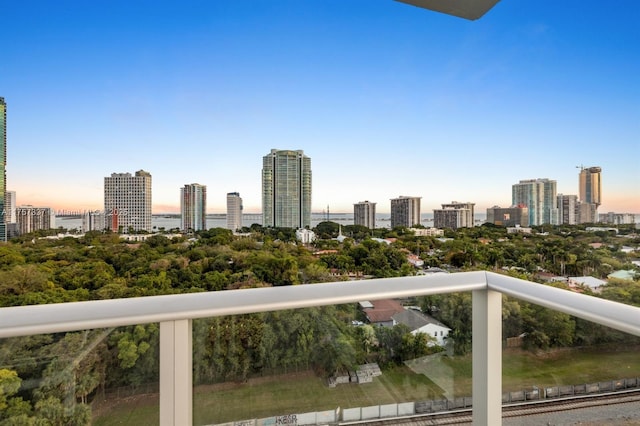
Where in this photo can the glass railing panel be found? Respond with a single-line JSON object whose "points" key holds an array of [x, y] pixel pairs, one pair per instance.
{"points": [[101, 377], [326, 363], [553, 356]]}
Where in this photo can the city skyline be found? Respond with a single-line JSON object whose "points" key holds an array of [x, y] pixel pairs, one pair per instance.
{"points": [[386, 98]]}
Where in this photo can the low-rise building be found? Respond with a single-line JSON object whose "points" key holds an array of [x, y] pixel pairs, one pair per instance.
{"points": [[624, 274], [415, 260], [305, 236], [428, 232], [591, 282], [518, 230], [617, 218], [381, 312], [510, 216], [421, 323]]}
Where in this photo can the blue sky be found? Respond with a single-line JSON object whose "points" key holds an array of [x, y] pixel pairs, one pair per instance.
{"points": [[387, 99]]}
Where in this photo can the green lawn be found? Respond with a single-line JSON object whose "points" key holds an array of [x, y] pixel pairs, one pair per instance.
{"points": [[443, 377]]}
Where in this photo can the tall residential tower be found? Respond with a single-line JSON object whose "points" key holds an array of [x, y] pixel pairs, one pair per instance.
{"points": [[127, 202], [454, 215], [234, 211], [193, 207], [364, 213], [286, 189], [591, 185], [567, 209], [590, 194], [3, 168], [405, 211], [540, 196]]}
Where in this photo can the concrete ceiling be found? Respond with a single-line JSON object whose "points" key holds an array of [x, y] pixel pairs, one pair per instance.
{"points": [[468, 9]]}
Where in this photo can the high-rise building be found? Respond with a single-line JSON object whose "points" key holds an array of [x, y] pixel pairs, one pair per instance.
{"points": [[509, 216], [464, 218], [567, 209], [540, 196], [3, 167], [591, 185], [31, 219], [127, 202], [193, 207], [11, 220], [590, 194], [587, 212], [10, 206], [405, 211], [364, 214], [93, 221], [454, 215], [617, 218], [234, 211], [286, 189]]}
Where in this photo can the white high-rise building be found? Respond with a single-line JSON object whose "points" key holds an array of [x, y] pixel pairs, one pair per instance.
{"points": [[286, 189], [93, 221], [193, 207], [10, 207], [540, 196], [364, 213], [127, 202], [405, 211], [234, 211]]}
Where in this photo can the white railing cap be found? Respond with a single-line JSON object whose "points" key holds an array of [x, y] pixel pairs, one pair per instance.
{"points": [[54, 318]]}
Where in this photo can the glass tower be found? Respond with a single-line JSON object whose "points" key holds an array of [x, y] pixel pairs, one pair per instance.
{"points": [[540, 196], [286, 189], [591, 185], [193, 207], [3, 167]]}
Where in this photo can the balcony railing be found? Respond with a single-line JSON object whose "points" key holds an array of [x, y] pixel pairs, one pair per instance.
{"points": [[176, 312]]}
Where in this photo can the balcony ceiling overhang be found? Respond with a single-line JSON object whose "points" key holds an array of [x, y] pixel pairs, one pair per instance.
{"points": [[468, 9]]}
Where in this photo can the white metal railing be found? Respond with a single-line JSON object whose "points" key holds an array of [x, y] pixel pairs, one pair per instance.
{"points": [[175, 313]]}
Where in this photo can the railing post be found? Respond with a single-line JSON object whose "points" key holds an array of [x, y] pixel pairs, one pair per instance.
{"points": [[487, 358], [176, 373]]}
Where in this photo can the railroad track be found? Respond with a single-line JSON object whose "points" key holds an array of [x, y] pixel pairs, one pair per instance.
{"points": [[523, 409]]}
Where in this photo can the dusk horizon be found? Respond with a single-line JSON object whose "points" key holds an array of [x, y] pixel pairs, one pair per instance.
{"points": [[385, 98]]}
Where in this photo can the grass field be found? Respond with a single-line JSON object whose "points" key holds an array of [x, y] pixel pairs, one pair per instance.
{"points": [[447, 377]]}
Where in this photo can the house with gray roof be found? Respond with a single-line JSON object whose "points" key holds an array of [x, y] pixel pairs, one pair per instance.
{"points": [[592, 282], [421, 323]]}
